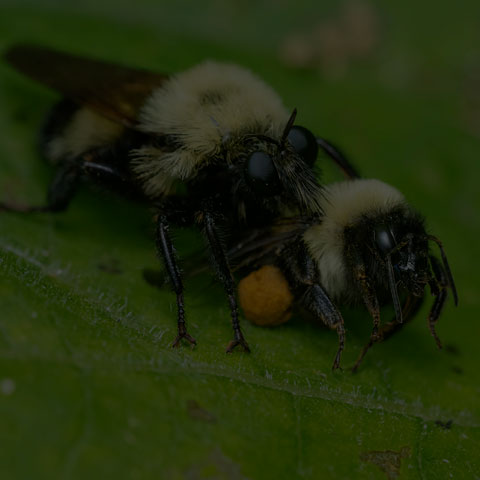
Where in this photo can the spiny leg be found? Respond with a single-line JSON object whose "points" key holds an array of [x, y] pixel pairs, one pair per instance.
{"points": [[166, 251], [91, 166], [60, 192], [224, 274], [410, 308], [301, 272], [446, 272], [439, 286], [317, 302], [369, 295]]}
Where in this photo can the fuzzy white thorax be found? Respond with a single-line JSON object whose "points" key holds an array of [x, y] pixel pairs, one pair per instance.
{"points": [[199, 109], [345, 203], [86, 130]]}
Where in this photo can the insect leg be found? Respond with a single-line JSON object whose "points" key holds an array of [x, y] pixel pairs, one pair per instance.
{"points": [[410, 308], [317, 302], [339, 158], [368, 291], [224, 274], [167, 252], [439, 286], [106, 175], [90, 165], [60, 192], [447, 274]]}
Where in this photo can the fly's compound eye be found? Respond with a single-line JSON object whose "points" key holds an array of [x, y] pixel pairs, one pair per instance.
{"points": [[304, 143], [261, 174], [384, 239]]}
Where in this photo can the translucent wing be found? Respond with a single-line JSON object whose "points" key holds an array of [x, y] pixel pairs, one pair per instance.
{"points": [[114, 91], [251, 248], [261, 244]]}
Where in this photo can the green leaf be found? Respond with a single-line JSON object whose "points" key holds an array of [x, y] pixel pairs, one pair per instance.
{"points": [[89, 384]]}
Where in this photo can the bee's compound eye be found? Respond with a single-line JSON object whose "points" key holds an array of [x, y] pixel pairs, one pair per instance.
{"points": [[261, 174], [384, 239], [304, 143]]}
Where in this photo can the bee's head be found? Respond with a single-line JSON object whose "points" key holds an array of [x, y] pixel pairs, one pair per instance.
{"points": [[405, 255], [403, 247], [281, 172]]}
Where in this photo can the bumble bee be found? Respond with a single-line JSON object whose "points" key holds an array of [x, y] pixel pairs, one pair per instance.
{"points": [[369, 246], [212, 146]]}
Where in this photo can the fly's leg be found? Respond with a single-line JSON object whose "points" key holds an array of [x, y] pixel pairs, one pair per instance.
{"points": [[224, 274], [90, 166], [60, 192], [166, 251]]}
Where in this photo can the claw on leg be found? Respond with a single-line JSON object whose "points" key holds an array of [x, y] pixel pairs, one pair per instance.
{"points": [[364, 351], [341, 344], [187, 337], [435, 336], [238, 340]]}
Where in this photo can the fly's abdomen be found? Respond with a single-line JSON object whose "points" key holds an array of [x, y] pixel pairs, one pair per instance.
{"points": [[70, 131]]}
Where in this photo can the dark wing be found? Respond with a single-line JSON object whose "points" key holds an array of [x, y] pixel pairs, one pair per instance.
{"points": [[259, 245], [114, 91]]}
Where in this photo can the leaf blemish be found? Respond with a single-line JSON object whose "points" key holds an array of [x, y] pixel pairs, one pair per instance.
{"points": [[452, 349], [445, 425], [388, 461], [197, 412], [111, 265], [155, 278]]}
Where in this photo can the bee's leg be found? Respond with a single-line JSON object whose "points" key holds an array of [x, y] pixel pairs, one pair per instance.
{"points": [[60, 192], [439, 288], [410, 308], [167, 252], [368, 294], [317, 302], [339, 158], [224, 274], [303, 277]]}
